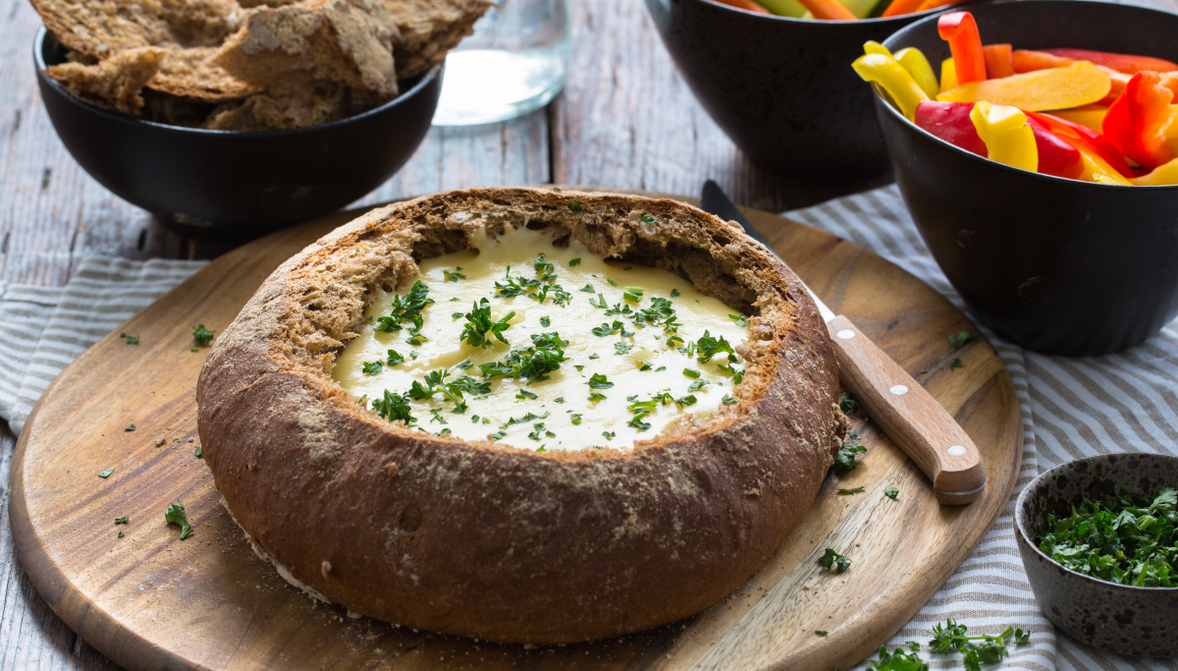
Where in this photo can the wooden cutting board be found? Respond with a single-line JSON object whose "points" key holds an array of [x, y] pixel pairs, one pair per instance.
{"points": [[151, 601]]}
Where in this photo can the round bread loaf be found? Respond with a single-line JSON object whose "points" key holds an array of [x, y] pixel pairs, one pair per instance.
{"points": [[495, 542]]}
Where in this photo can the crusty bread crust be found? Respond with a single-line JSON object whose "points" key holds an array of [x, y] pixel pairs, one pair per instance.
{"points": [[491, 541]]}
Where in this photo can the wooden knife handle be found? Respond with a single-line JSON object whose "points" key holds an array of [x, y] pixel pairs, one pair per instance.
{"points": [[910, 416]]}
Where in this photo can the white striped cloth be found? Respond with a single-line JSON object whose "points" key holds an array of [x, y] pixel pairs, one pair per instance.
{"points": [[43, 329], [1072, 408]]}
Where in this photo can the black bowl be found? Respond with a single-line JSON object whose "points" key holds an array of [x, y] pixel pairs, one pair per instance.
{"points": [[208, 183], [1122, 618], [1055, 265], [781, 88]]}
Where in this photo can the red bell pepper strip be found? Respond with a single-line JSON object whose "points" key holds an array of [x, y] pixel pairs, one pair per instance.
{"points": [[1126, 63], [1056, 156], [961, 32], [999, 62], [951, 123], [1086, 140], [1137, 120]]}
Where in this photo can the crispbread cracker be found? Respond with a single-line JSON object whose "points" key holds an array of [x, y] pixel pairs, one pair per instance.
{"points": [[347, 41], [114, 83], [295, 102], [429, 29]]}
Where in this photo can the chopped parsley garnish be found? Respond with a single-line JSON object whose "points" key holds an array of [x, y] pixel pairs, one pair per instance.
{"points": [[480, 328], [575, 262], [453, 277], [201, 335], [609, 435], [545, 322], [633, 294], [406, 308], [856, 490], [611, 282], [131, 340], [588, 289], [531, 363], [739, 319], [415, 338], [991, 650], [728, 400], [622, 348], [609, 329], [106, 474], [697, 385], [576, 418], [637, 423], [643, 365], [691, 373], [660, 369], [960, 339], [647, 219], [956, 363], [594, 355], [1127, 539], [435, 383], [176, 515], [599, 381], [525, 394], [396, 359], [675, 293], [848, 404], [834, 561], [498, 435], [820, 632], [596, 396], [844, 461], [891, 492], [373, 367], [708, 347], [393, 407]]}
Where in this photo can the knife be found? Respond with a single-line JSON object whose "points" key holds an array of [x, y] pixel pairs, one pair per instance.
{"points": [[910, 416]]}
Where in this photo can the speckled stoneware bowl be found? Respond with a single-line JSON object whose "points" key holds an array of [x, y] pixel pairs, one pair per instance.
{"points": [[1120, 618]]}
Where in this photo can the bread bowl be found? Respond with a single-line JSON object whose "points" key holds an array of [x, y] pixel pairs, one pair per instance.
{"points": [[485, 539]]}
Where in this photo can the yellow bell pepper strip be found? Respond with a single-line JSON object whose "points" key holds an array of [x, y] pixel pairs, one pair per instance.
{"points": [[1163, 175], [791, 8], [1007, 136], [873, 47], [948, 75], [961, 32], [828, 10], [893, 78], [1089, 116], [999, 62], [1080, 83], [918, 66], [1138, 120], [1103, 162]]}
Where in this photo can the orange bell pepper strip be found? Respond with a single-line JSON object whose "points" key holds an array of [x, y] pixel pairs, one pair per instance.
{"points": [[1099, 151], [961, 32], [1138, 120], [746, 5], [999, 62], [889, 75], [1025, 60], [933, 4], [828, 10], [1126, 63], [1080, 83], [1163, 175], [900, 7], [1008, 137]]}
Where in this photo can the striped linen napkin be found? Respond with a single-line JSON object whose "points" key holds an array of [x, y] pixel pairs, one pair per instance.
{"points": [[1072, 408], [43, 329]]}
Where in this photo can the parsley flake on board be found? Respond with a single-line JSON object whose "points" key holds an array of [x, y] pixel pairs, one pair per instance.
{"points": [[131, 340], [406, 308], [176, 515], [844, 461], [122, 520], [201, 335], [820, 632], [1127, 539], [106, 474], [834, 561], [200, 452], [960, 339], [891, 492], [130, 428], [848, 404], [855, 490], [956, 363]]}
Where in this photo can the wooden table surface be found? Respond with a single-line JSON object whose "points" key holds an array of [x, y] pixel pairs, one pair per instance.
{"points": [[626, 119]]}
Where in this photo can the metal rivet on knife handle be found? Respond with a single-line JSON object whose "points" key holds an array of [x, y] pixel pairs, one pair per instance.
{"points": [[910, 416]]}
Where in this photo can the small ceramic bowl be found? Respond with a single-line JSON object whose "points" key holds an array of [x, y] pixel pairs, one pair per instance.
{"points": [[1120, 618], [239, 185], [1056, 265], [782, 89]]}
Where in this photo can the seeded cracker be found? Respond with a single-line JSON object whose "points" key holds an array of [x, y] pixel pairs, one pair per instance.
{"points": [[113, 83]]}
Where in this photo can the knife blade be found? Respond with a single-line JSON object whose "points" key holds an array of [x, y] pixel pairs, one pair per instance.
{"points": [[907, 413]]}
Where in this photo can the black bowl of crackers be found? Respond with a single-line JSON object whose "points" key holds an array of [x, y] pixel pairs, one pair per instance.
{"points": [[232, 120]]}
